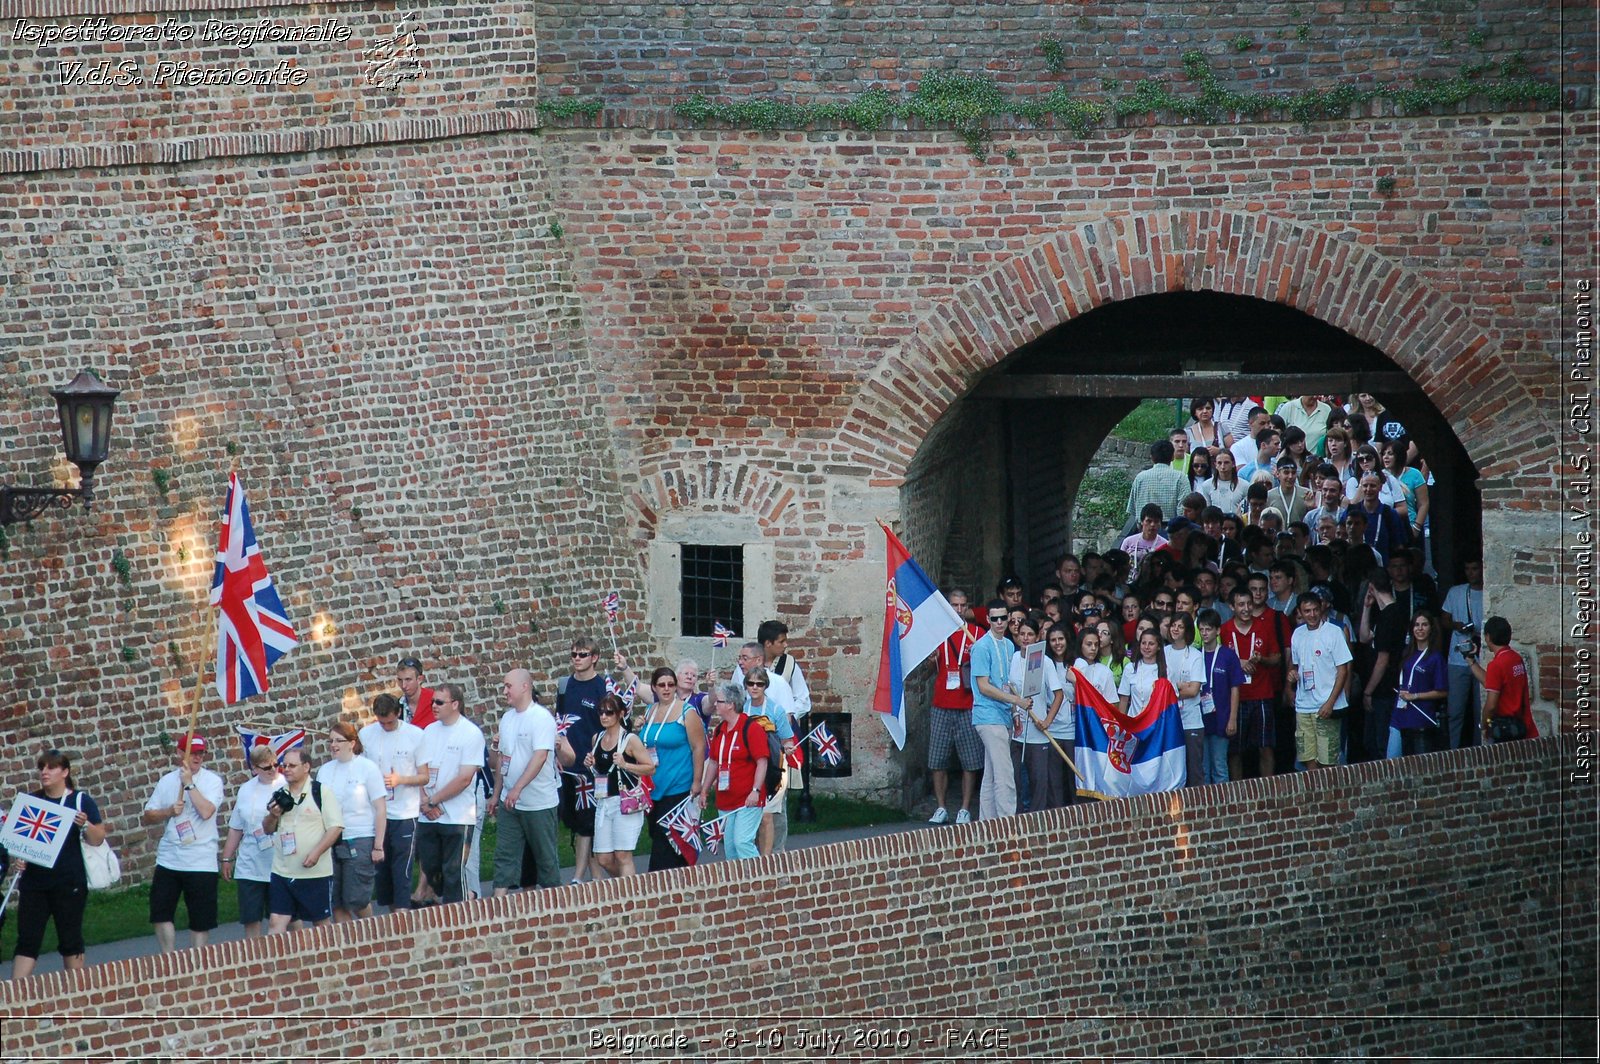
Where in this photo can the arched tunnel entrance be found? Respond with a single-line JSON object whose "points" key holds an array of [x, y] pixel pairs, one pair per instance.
{"points": [[992, 487]]}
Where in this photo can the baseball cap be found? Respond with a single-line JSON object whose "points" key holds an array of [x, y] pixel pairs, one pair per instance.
{"points": [[195, 743], [1180, 524]]}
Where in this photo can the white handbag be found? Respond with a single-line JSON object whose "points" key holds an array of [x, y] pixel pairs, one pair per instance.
{"points": [[101, 862]]}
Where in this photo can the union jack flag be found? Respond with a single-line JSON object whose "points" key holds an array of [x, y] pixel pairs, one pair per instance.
{"points": [[583, 790], [720, 634], [713, 831], [827, 744], [626, 694], [253, 631], [565, 721], [612, 604], [682, 825], [38, 824], [796, 757], [279, 743]]}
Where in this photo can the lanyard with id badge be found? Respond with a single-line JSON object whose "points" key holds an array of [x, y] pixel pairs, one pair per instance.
{"points": [[952, 668]]}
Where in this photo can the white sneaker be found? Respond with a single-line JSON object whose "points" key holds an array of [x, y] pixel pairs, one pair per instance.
{"points": [[963, 817], [939, 816]]}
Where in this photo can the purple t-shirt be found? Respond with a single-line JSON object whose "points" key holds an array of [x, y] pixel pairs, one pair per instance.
{"points": [[1421, 672], [1222, 674]]}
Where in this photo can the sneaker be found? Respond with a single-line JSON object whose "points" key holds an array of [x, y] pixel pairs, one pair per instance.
{"points": [[963, 817], [939, 816]]}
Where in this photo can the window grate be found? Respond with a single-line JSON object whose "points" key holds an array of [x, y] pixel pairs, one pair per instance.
{"points": [[712, 588]]}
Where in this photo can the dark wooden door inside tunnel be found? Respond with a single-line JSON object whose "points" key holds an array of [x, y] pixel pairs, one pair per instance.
{"points": [[993, 487]]}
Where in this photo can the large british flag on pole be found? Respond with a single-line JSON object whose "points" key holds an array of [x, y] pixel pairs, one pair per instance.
{"points": [[252, 629]]}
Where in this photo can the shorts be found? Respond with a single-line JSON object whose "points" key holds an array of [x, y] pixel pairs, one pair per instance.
{"points": [[951, 729], [1317, 739], [579, 821], [612, 830], [252, 901], [302, 899], [199, 892], [353, 876], [775, 803], [1258, 726]]}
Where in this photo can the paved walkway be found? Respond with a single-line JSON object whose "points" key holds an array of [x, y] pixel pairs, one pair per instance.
{"points": [[138, 947]]}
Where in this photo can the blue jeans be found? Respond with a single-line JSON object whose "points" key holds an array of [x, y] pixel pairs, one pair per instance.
{"points": [[739, 838], [1216, 759]]}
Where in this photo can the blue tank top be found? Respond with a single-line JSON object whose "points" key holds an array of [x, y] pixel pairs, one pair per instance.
{"points": [[670, 741]]}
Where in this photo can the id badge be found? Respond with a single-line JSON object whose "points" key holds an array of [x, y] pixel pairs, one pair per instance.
{"points": [[602, 787], [185, 830], [724, 780], [952, 680], [433, 780], [1307, 679], [1208, 705], [505, 765], [286, 843], [263, 840]]}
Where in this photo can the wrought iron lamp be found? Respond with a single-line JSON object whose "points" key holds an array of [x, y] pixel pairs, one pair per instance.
{"points": [[85, 409]]}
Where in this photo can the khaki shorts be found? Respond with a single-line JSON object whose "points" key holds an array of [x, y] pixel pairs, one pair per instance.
{"points": [[775, 803], [1316, 739]]}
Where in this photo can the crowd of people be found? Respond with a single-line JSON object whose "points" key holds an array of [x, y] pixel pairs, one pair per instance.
{"points": [[1276, 569], [393, 815]]}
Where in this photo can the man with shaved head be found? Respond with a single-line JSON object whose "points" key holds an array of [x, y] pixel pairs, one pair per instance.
{"points": [[526, 792]]}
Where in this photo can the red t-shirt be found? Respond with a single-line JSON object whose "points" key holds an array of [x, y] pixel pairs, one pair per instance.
{"points": [[736, 759], [424, 715], [1508, 674], [952, 654], [1261, 639]]}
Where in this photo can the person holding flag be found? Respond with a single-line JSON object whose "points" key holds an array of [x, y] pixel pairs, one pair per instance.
{"points": [[916, 619], [185, 801], [60, 892], [735, 766]]}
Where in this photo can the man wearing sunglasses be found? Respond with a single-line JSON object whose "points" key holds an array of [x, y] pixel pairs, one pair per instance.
{"points": [[577, 723], [992, 707]]}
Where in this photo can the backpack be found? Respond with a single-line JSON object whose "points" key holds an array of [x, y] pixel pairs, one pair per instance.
{"points": [[769, 786]]}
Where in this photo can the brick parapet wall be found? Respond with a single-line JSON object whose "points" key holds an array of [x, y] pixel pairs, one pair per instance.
{"points": [[1392, 908]]}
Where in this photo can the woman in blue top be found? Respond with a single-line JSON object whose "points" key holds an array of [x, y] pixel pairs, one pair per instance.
{"points": [[1424, 686], [61, 892], [675, 738]]}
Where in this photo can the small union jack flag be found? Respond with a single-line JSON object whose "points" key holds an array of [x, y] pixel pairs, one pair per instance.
{"points": [[827, 744], [39, 825], [720, 635], [583, 789], [280, 744], [613, 603], [565, 721], [713, 831]]}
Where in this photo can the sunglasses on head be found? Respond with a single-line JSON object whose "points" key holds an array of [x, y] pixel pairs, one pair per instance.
{"points": [[410, 663]]}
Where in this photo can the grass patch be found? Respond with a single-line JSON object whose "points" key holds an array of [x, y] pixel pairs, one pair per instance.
{"points": [[1150, 421], [113, 916]]}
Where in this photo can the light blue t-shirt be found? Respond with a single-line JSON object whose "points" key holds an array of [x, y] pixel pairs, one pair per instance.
{"points": [[991, 659], [777, 714]]}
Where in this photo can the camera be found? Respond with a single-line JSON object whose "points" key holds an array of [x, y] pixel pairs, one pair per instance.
{"points": [[282, 801]]}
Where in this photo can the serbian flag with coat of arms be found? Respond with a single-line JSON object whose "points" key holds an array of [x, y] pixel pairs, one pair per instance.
{"points": [[916, 621], [1118, 755], [252, 629]]}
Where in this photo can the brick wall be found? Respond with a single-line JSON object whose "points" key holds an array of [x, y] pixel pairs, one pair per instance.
{"points": [[643, 58], [1389, 909]]}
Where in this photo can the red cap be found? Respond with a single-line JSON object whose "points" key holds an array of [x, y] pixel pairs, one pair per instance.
{"points": [[195, 743]]}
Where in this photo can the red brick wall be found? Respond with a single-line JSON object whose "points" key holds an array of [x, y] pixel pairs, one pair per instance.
{"points": [[1385, 909]]}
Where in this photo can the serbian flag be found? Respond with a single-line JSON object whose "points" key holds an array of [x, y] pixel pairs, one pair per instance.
{"points": [[916, 620], [252, 629], [1118, 755]]}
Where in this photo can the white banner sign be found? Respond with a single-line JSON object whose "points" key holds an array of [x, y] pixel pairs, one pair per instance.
{"points": [[36, 829], [1033, 669]]}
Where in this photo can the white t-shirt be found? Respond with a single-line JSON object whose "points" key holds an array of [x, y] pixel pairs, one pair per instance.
{"points": [[396, 751], [1187, 665], [253, 859], [522, 734], [357, 783], [1041, 701], [188, 844], [446, 750], [1318, 655], [1138, 680], [1099, 674], [1065, 725]]}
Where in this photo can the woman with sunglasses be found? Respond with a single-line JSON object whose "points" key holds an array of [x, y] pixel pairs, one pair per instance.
{"points": [[61, 892], [674, 739], [735, 768], [357, 783], [247, 855], [611, 756], [1201, 467]]}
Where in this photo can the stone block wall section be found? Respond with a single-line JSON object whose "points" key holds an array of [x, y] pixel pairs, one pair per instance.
{"points": [[115, 82], [645, 58], [1380, 910]]}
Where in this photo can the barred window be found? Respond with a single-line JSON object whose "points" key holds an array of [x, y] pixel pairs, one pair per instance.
{"points": [[712, 588]]}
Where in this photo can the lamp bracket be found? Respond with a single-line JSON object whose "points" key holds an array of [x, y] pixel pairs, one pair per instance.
{"points": [[24, 504]]}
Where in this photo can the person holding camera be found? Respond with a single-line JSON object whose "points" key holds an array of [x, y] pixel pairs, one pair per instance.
{"points": [[1463, 612], [1507, 714], [307, 820]]}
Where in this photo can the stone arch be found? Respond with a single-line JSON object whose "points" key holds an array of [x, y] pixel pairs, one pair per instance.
{"points": [[725, 486], [1334, 280]]}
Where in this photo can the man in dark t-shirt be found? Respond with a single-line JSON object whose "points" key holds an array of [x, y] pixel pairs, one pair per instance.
{"points": [[1384, 625], [578, 722]]}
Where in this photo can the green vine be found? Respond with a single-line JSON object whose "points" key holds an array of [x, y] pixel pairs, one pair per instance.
{"points": [[123, 567], [161, 478], [5, 544], [1055, 57], [129, 654], [566, 107], [968, 103]]}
